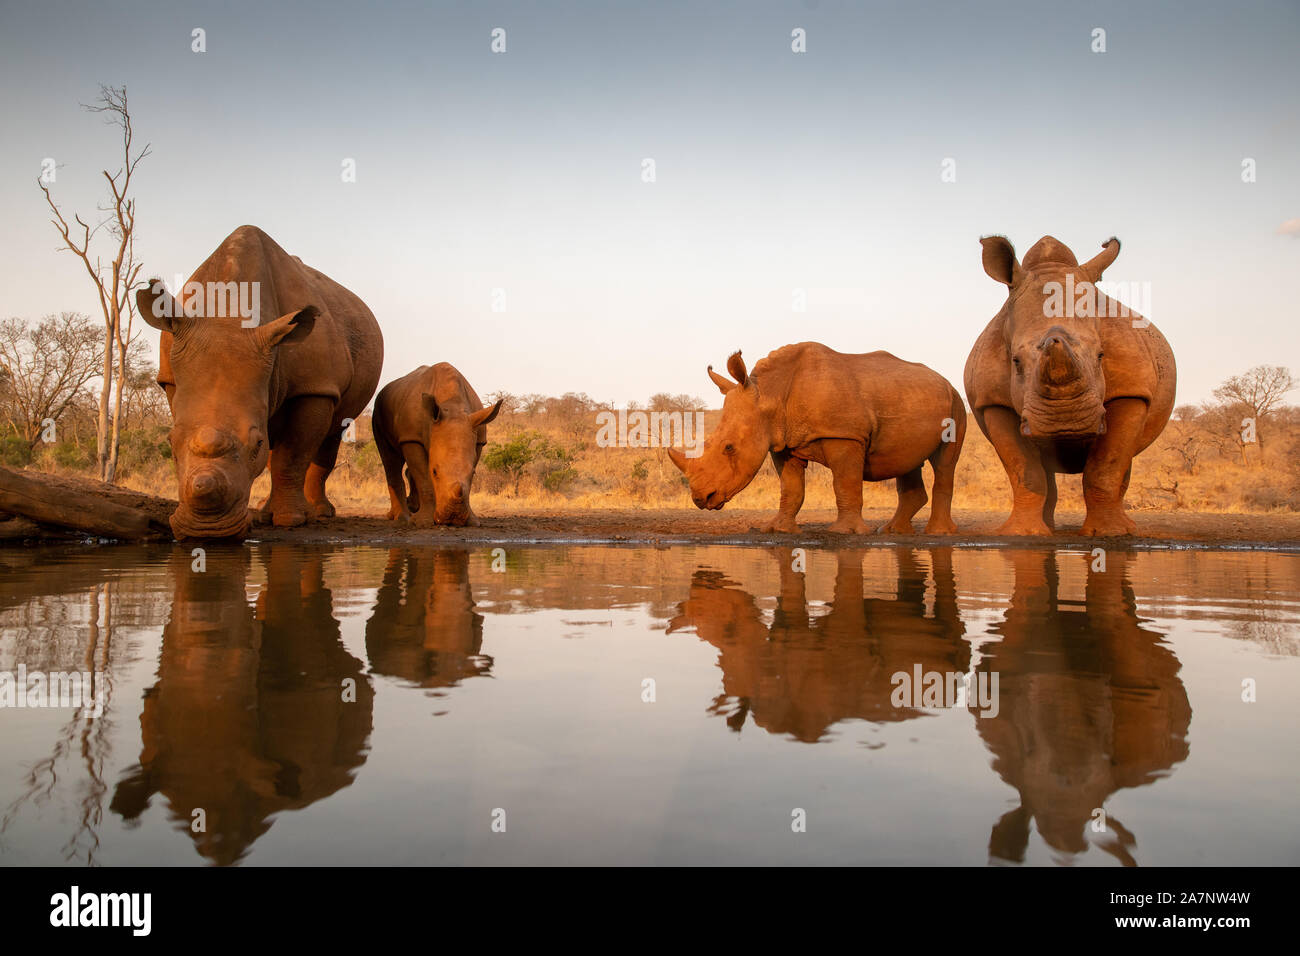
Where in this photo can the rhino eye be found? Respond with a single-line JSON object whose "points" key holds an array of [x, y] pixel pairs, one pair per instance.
{"points": [[1100, 356], [730, 449]]}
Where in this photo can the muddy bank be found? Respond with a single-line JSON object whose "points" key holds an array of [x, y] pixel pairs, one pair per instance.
{"points": [[687, 525], [664, 527]]}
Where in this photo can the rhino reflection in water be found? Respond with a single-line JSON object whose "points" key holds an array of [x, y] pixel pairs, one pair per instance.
{"points": [[1091, 703], [424, 628], [248, 716], [805, 673]]}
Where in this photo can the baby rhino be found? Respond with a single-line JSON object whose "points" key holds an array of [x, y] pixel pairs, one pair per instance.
{"points": [[432, 422], [866, 417]]}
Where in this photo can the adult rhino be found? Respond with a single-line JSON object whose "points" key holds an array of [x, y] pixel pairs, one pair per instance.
{"points": [[280, 388], [866, 417], [1066, 380]]}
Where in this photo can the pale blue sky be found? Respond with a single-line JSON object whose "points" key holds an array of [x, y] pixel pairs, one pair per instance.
{"points": [[775, 170]]}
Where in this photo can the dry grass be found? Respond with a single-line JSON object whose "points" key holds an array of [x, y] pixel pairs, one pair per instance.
{"points": [[593, 478]]}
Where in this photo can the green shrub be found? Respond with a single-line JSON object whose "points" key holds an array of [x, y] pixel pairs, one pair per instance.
{"points": [[141, 449], [557, 476], [512, 458], [365, 461], [15, 452], [70, 455]]}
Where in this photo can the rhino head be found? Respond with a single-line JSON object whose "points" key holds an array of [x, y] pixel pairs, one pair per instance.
{"points": [[1053, 336], [452, 441], [219, 398], [731, 456]]}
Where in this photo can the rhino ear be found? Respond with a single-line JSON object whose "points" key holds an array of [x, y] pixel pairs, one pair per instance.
{"points": [[293, 326], [724, 384], [430, 405], [157, 307], [485, 415], [736, 366], [1099, 263], [1000, 260]]}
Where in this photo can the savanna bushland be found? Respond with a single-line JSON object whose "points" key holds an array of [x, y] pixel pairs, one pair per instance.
{"points": [[1238, 452]]}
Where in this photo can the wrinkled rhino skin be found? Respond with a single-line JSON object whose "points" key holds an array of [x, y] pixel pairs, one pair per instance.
{"points": [[866, 417], [1084, 392], [431, 421], [277, 393]]}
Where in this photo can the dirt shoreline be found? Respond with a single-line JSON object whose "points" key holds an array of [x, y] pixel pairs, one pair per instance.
{"points": [[661, 528], [666, 526]]}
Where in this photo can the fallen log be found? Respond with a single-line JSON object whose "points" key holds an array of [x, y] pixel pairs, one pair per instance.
{"points": [[14, 528], [65, 507]]}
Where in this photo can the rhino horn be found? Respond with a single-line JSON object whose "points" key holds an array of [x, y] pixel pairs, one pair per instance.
{"points": [[678, 458], [1058, 365]]}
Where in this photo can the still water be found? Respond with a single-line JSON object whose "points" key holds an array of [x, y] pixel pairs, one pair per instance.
{"points": [[693, 704]]}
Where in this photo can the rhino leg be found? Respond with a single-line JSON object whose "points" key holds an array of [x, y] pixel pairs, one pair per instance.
{"points": [[1025, 472], [1049, 501], [790, 471], [393, 465], [846, 460], [943, 463], [1109, 466], [318, 473], [417, 469], [911, 499], [301, 431]]}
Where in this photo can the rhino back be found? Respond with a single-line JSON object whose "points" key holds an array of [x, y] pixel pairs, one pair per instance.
{"points": [[400, 407], [449, 386], [342, 356], [873, 396]]}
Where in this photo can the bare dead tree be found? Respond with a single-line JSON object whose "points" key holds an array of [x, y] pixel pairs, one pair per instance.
{"points": [[1183, 438], [115, 280], [1223, 429], [1259, 390], [44, 369]]}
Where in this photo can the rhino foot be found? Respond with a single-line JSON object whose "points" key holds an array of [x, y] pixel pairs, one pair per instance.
{"points": [[849, 526], [289, 519], [1108, 526], [779, 526], [895, 527], [941, 527], [323, 509], [1019, 525]]}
